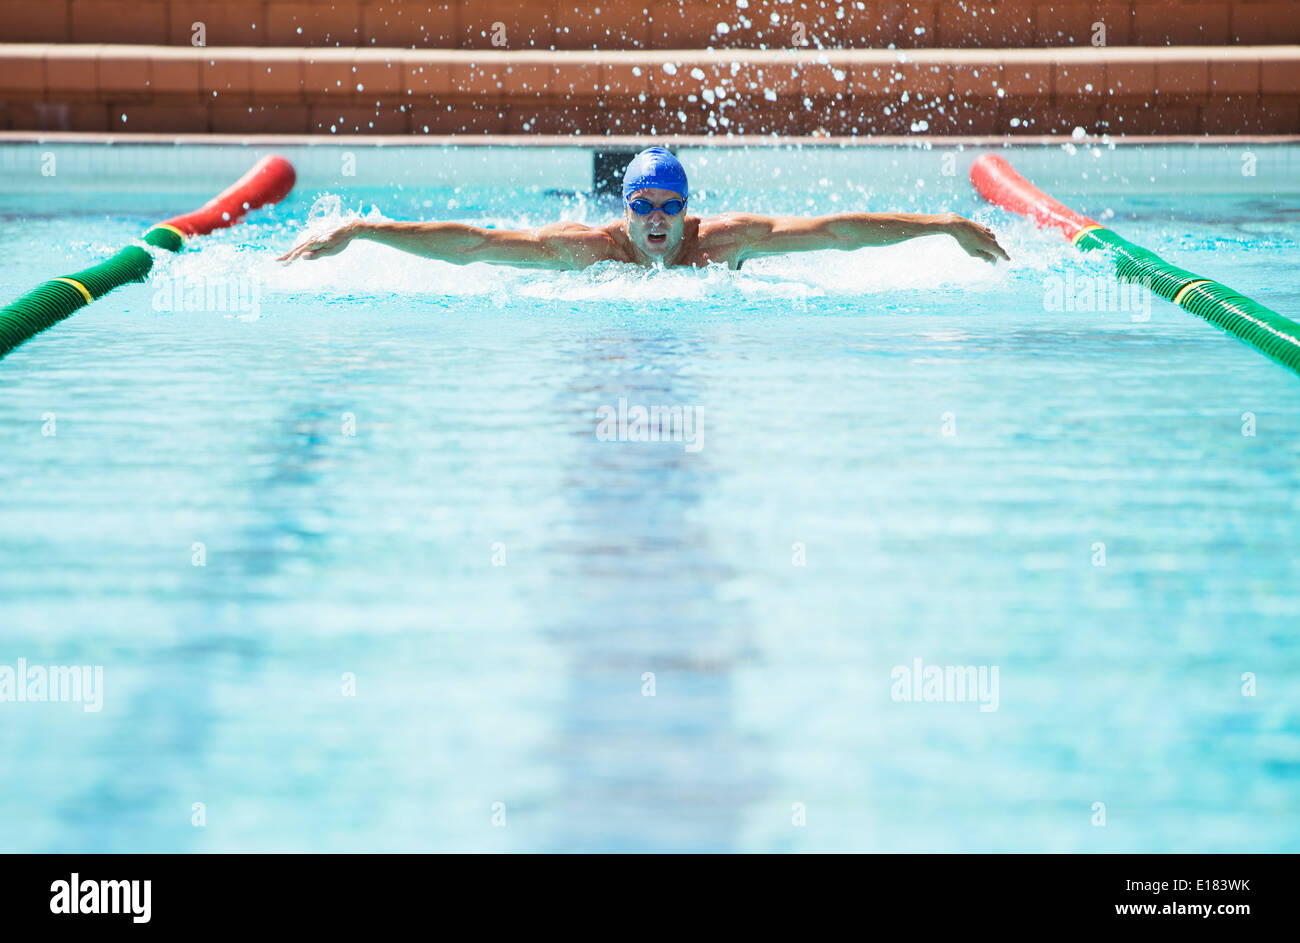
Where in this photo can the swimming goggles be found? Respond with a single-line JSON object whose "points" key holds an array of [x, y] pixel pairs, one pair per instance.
{"points": [[643, 207]]}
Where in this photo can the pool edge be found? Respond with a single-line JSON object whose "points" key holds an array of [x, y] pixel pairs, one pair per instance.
{"points": [[685, 140]]}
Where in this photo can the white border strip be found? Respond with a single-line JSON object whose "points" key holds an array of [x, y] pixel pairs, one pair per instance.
{"points": [[895, 172], [627, 140]]}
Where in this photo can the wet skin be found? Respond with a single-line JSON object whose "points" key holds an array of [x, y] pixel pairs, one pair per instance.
{"points": [[655, 239]]}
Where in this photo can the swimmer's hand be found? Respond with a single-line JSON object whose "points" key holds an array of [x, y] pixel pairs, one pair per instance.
{"points": [[977, 240], [318, 247]]}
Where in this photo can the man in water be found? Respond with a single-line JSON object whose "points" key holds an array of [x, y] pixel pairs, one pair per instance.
{"points": [[654, 230]]}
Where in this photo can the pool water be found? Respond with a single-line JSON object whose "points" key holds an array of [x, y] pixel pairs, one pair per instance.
{"points": [[436, 610]]}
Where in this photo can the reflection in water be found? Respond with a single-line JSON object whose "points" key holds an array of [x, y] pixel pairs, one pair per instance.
{"points": [[167, 717], [823, 383], [636, 580]]}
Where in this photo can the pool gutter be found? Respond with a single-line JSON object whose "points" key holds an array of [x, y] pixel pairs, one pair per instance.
{"points": [[631, 140]]}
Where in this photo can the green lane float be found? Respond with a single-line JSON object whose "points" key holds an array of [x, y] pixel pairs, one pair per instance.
{"points": [[165, 236], [48, 304], [1267, 331], [269, 181]]}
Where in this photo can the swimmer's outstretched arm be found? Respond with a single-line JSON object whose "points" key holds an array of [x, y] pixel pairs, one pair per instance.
{"points": [[754, 235], [558, 246]]}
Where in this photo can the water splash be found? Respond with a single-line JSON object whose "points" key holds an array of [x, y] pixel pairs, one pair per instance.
{"points": [[368, 270]]}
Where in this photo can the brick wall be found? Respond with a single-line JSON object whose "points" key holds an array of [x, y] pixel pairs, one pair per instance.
{"points": [[388, 67], [1114, 90], [653, 24]]}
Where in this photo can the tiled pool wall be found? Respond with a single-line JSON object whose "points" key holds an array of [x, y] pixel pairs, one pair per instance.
{"points": [[938, 167], [619, 67], [789, 92], [653, 24]]}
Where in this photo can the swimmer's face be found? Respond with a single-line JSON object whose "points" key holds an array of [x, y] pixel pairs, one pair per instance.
{"points": [[656, 234]]}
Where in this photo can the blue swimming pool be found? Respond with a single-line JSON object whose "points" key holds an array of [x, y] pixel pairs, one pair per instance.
{"points": [[361, 574]]}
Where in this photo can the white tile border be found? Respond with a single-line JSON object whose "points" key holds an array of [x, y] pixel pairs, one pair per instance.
{"points": [[921, 165], [626, 140]]}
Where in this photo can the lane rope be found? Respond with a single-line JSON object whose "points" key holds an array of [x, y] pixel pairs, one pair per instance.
{"points": [[1267, 331], [85, 292], [267, 182]]}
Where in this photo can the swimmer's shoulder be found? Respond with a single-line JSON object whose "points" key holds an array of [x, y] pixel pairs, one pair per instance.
{"points": [[733, 229], [734, 225], [724, 238], [585, 244]]}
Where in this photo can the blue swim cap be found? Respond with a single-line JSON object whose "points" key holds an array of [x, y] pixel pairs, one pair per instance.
{"points": [[654, 168]]}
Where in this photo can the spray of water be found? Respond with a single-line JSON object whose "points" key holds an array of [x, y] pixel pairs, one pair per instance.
{"points": [[903, 275]]}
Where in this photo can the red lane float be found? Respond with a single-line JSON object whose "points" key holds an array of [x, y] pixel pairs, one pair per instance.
{"points": [[998, 182], [269, 181]]}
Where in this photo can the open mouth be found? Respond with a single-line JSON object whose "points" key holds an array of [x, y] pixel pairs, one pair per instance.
{"points": [[657, 238]]}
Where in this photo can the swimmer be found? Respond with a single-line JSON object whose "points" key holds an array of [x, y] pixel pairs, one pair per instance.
{"points": [[654, 230]]}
